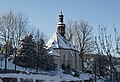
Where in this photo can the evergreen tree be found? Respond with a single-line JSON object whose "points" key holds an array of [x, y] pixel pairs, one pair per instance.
{"points": [[43, 60], [31, 53], [41, 52], [26, 52], [101, 65]]}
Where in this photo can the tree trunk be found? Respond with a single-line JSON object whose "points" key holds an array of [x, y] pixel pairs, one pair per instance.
{"points": [[15, 58], [5, 62], [6, 54], [83, 66]]}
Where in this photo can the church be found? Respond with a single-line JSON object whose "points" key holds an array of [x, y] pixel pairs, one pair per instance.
{"points": [[62, 50]]}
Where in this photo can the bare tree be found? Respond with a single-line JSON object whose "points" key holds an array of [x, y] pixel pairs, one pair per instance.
{"points": [[105, 47], [12, 29], [7, 29], [117, 41], [21, 26], [81, 34], [69, 30]]}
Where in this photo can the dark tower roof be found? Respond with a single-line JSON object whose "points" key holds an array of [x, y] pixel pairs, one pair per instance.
{"points": [[61, 17], [61, 25]]}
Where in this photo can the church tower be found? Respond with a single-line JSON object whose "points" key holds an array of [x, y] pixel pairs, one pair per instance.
{"points": [[61, 25]]}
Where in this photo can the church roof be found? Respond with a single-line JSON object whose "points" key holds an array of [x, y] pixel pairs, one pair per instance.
{"points": [[59, 42]]}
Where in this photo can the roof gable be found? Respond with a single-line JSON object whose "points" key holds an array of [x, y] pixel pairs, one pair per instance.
{"points": [[57, 41]]}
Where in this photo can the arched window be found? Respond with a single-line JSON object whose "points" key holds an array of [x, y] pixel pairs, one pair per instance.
{"points": [[64, 57]]}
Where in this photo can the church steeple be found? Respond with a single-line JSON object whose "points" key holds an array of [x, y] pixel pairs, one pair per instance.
{"points": [[61, 25]]}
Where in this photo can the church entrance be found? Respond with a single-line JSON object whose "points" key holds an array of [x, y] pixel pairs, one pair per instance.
{"points": [[65, 66]]}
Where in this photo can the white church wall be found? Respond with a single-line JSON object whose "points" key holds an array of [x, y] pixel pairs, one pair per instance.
{"points": [[69, 56]]}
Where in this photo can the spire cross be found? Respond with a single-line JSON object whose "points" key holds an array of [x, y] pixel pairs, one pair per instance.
{"points": [[61, 11]]}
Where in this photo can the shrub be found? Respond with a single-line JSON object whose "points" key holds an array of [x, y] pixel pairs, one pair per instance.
{"points": [[76, 74], [65, 66], [67, 71]]}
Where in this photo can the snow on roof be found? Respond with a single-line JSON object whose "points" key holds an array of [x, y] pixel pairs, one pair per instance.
{"points": [[57, 41], [52, 52]]}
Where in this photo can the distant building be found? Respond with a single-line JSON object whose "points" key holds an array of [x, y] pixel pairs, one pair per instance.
{"points": [[62, 50]]}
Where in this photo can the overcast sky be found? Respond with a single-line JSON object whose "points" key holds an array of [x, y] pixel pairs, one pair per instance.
{"points": [[44, 13]]}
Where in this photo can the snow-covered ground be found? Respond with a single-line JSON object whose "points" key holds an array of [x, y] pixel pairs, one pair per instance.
{"points": [[11, 66], [52, 76], [46, 78]]}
